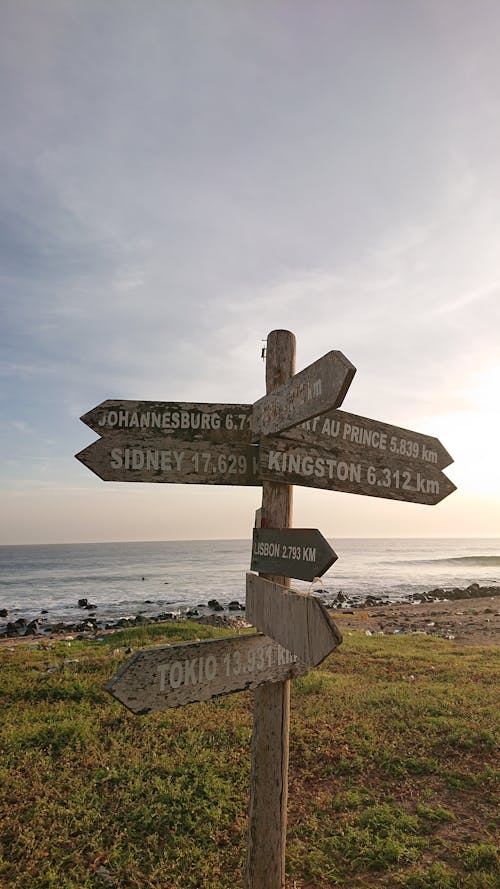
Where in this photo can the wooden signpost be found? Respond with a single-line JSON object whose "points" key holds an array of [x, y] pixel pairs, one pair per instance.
{"points": [[318, 388], [292, 552], [293, 435], [354, 471], [175, 675], [352, 435], [176, 419], [299, 621], [125, 457]]}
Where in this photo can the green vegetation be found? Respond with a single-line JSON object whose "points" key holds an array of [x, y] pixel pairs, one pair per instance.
{"points": [[392, 771]]}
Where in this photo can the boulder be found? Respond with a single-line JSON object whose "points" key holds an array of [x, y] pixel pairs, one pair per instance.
{"points": [[32, 628], [12, 629], [215, 605]]}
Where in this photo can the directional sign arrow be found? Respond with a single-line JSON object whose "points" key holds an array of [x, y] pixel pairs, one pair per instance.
{"points": [[376, 474], [125, 457], [177, 419], [318, 388], [352, 434], [296, 620], [159, 678], [291, 552]]}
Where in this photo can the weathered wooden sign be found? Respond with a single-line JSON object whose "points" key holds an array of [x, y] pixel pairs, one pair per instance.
{"points": [[292, 552], [171, 676], [377, 474], [302, 439], [316, 389], [297, 620], [175, 419], [352, 435], [125, 457]]}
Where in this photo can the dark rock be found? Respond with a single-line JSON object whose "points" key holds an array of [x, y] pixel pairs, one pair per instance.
{"points": [[12, 629], [193, 612], [32, 628], [123, 622], [223, 620], [235, 606], [215, 605], [87, 625], [371, 601], [165, 615], [84, 603], [44, 611], [147, 601], [4, 612], [90, 607], [21, 622], [141, 619]]}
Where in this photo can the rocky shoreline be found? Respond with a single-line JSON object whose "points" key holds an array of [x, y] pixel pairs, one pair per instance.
{"points": [[393, 619]]}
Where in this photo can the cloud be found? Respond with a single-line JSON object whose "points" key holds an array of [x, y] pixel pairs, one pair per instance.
{"points": [[175, 185]]}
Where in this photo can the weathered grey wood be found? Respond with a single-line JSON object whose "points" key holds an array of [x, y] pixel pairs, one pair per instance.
{"points": [[378, 475], [125, 457], [187, 421], [294, 619], [354, 435], [266, 841], [293, 552], [174, 675], [316, 389]]}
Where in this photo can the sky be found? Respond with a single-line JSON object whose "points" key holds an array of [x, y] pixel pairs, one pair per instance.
{"points": [[179, 179]]}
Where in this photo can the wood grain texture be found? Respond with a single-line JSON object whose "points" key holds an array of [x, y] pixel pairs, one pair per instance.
{"points": [[294, 619], [320, 387], [187, 421], [131, 457], [175, 675], [353, 435], [266, 842], [391, 476]]}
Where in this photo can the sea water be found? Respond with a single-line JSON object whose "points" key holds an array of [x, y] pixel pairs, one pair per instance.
{"points": [[126, 578]]}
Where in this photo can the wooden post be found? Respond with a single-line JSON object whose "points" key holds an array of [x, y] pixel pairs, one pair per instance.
{"points": [[270, 740]]}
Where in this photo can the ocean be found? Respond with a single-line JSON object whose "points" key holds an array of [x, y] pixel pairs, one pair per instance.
{"points": [[123, 579]]}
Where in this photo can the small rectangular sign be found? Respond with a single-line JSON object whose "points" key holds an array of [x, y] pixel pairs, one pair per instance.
{"points": [[291, 552], [296, 620], [316, 389], [176, 419], [124, 457], [171, 676], [376, 474]]}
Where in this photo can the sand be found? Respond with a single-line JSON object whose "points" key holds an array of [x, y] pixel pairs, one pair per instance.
{"points": [[466, 621]]}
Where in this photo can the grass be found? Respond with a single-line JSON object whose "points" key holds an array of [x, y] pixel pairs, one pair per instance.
{"points": [[392, 771]]}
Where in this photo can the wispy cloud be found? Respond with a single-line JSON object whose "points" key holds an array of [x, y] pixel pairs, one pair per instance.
{"points": [[176, 184]]}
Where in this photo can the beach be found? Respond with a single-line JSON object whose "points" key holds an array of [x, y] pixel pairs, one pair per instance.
{"points": [[472, 621], [467, 621]]}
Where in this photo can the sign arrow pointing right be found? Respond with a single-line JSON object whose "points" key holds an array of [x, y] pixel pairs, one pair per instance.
{"points": [[291, 552], [296, 620]]}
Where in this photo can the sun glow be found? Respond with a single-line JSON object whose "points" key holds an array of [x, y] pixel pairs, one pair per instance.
{"points": [[472, 435]]}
